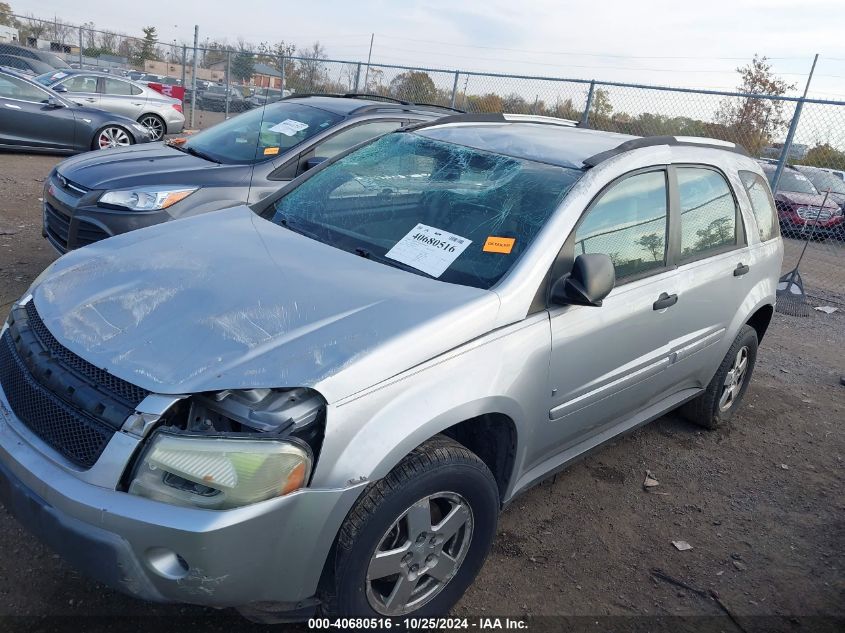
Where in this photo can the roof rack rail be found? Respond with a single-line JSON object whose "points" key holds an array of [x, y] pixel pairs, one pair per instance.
{"points": [[442, 107], [469, 117], [538, 118], [652, 141], [366, 95]]}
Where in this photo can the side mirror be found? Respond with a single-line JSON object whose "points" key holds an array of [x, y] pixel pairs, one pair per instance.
{"points": [[312, 162], [54, 103], [591, 280], [59, 88]]}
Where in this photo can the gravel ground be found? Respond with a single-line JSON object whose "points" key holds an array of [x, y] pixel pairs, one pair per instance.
{"points": [[761, 502]]}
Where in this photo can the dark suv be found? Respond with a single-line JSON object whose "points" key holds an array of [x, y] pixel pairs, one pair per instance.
{"points": [[244, 159]]}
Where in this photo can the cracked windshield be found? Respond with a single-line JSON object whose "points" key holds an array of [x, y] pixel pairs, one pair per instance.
{"points": [[438, 209]]}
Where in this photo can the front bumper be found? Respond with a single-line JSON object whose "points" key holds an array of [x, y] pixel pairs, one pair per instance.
{"points": [[270, 552], [71, 218]]}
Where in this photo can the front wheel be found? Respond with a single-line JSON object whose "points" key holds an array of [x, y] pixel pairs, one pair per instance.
{"points": [[111, 136], [415, 540]]}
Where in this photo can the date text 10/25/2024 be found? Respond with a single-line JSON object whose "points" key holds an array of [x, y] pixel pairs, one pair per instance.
{"points": [[419, 624]]}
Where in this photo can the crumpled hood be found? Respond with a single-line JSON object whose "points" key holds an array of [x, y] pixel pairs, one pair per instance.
{"points": [[229, 300], [809, 199], [148, 164]]}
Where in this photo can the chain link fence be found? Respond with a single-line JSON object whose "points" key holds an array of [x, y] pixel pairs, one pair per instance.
{"points": [[216, 82]]}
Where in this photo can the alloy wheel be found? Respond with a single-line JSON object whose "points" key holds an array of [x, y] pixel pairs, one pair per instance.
{"points": [[420, 553], [734, 380], [113, 137], [154, 125]]}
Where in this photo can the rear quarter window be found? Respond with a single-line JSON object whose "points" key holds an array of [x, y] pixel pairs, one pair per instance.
{"points": [[762, 205]]}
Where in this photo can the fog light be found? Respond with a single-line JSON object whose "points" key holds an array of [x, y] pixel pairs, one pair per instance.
{"points": [[167, 563]]}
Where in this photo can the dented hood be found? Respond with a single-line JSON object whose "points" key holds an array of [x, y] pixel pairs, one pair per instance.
{"points": [[228, 300]]}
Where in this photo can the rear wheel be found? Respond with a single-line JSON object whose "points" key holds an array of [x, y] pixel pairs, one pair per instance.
{"points": [[111, 136], [155, 124], [720, 400], [416, 539]]}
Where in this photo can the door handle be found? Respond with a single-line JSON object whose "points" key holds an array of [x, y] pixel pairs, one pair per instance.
{"points": [[137, 104], [665, 300], [90, 99], [741, 269]]}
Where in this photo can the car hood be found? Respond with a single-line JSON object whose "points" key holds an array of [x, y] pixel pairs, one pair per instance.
{"points": [[148, 164], [227, 300], [794, 197]]}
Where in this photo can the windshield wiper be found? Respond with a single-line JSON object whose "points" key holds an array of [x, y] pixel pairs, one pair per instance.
{"points": [[368, 254], [193, 152], [297, 228]]}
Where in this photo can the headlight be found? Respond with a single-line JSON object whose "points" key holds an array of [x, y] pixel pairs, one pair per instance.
{"points": [[218, 473], [145, 199]]}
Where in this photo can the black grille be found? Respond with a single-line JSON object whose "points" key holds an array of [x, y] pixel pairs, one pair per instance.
{"points": [[57, 224], [126, 391], [87, 233], [77, 436]]}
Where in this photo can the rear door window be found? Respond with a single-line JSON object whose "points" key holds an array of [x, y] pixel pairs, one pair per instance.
{"points": [[762, 204], [708, 213]]}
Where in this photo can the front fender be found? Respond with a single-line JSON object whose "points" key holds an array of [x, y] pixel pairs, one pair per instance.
{"points": [[504, 372]]}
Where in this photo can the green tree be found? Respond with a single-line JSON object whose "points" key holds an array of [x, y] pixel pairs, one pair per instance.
{"points": [[6, 18], [753, 121], [824, 155], [601, 106], [414, 85], [149, 46], [243, 65], [484, 103]]}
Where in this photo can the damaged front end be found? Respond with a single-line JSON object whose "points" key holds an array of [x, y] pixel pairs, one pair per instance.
{"points": [[231, 448]]}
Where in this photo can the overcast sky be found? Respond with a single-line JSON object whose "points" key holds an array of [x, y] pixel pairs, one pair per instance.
{"points": [[677, 42]]}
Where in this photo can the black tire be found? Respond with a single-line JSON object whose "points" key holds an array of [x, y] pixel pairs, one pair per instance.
{"points": [[706, 410], [440, 465]]}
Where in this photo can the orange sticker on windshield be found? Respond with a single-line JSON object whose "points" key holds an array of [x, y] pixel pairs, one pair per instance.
{"points": [[271, 150], [499, 244]]}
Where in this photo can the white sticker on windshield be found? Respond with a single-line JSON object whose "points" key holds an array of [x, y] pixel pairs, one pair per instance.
{"points": [[429, 249], [59, 75], [289, 127]]}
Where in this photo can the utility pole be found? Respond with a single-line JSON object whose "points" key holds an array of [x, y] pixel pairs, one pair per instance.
{"points": [[194, 75], [369, 57], [792, 127], [80, 47]]}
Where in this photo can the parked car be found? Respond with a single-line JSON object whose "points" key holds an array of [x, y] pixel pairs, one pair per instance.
{"points": [[240, 160], [214, 98], [324, 401], [26, 65], [801, 207], [159, 113], [134, 75], [825, 182], [33, 118], [46, 57], [264, 96]]}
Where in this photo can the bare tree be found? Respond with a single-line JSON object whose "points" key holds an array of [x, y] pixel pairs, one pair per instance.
{"points": [[312, 70]]}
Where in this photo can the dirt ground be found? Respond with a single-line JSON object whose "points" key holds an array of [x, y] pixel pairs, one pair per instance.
{"points": [[761, 502]]}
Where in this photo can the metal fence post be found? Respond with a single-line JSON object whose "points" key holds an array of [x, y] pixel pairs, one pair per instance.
{"points": [[585, 118], [454, 89], [357, 76], [787, 145], [282, 74], [80, 47], [784, 152], [194, 76], [228, 80], [184, 62]]}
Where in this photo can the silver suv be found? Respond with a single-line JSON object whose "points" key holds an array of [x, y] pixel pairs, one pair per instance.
{"points": [[324, 401]]}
